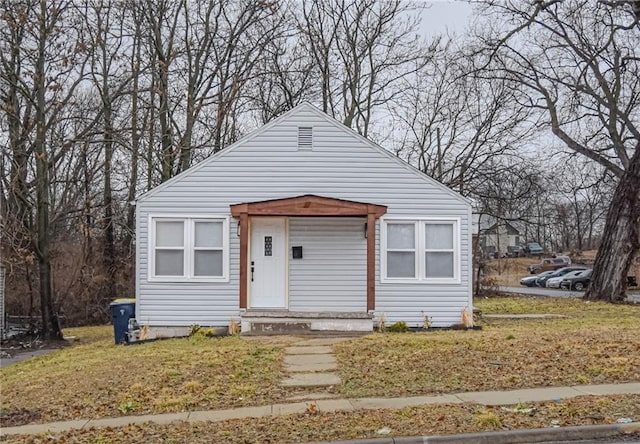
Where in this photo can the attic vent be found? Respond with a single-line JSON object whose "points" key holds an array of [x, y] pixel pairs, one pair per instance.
{"points": [[305, 137]]}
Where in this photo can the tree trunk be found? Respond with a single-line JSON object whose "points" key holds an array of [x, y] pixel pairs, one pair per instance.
{"points": [[621, 240], [166, 137], [191, 115], [87, 244], [152, 130], [108, 249], [17, 206], [135, 141], [50, 324]]}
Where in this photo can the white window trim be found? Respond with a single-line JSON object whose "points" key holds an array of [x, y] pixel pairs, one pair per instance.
{"points": [[152, 251], [416, 269], [420, 250], [189, 247]]}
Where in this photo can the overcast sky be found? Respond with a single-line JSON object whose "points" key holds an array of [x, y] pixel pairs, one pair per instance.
{"points": [[446, 16]]}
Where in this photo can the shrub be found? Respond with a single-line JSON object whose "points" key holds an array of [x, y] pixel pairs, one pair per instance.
{"points": [[398, 327]]}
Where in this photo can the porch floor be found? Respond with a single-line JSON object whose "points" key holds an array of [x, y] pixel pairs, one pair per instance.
{"points": [[278, 313], [262, 321]]}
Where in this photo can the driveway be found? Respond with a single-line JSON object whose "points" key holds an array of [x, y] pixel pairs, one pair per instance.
{"points": [[12, 356], [538, 291], [553, 293]]}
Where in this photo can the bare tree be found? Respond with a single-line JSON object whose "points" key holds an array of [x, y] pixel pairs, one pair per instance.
{"points": [[110, 77], [585, 188], [138, 123], [362, 52], [285, 74], [161, 20], [457, 128], [205, 53], [578, 63], [43, 59]]}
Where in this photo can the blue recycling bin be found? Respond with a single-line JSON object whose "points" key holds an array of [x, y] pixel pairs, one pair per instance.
{"points": [[121, 311]]}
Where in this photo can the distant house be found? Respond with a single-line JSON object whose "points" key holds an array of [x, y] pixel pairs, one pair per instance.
{"points": [[498, 237], [302, 224]]}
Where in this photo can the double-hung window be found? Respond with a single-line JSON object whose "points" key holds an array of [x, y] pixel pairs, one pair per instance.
{"points": [[401, 250], [189, 248], [439, 253], [169, 248], [208, 248], [420, 250]]}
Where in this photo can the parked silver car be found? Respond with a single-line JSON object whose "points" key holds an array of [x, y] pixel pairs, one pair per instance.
{"points": [[555, 282], [542, 282]]}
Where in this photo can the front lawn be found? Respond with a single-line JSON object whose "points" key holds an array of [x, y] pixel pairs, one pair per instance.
{"points": [[383, 423], [597, 344], [98, 379]]}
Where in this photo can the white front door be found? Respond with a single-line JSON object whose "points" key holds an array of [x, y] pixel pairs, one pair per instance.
{"points": [[267, 264]]}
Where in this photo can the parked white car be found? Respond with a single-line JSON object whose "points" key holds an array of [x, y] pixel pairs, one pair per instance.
{"points": [[555, 282]]}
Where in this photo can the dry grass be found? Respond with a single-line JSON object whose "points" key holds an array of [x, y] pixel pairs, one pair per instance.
{"points": [[98, 378], [598, 344], [508, 271], [87, 335], [415, 421]]}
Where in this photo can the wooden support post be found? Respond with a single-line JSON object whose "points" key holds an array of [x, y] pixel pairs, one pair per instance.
{"points": [[244, 258], [371, 262]]}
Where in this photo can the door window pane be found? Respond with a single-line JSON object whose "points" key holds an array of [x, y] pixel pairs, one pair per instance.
{"points": [[401, 264], [438, 236], [207, 263], [268, 245], [208, 234], [439, 264], [169, 234], [401, 236], [169, 263]]}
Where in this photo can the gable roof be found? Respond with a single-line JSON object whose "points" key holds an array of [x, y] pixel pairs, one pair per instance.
{"points": [[510, 228], [305, 106]]}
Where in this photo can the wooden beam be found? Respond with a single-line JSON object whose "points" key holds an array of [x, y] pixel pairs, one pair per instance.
{"points": [[238, 209], [307, 205], [244, 258], [312, 210], [377, 210], [371, 261]]}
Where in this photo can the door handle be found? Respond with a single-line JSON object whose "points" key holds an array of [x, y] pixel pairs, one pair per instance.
{"points": [[252, 269]]}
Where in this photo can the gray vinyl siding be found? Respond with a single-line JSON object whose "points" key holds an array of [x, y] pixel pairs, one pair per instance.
{"points": [[268, 165], [332, 275], [411, 302], [186, 303]]}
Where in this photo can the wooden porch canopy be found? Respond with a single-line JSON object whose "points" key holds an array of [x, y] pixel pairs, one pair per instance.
{"points": [[308, 205]]}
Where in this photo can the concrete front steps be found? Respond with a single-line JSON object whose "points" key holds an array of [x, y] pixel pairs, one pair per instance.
{"points": [[262, 322]]}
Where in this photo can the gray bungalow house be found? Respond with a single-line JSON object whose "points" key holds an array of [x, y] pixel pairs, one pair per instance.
{"points": [[302, 224]]}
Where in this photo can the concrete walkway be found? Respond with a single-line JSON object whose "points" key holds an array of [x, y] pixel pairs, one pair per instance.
{"points": [[312, 368], [339, 405]]}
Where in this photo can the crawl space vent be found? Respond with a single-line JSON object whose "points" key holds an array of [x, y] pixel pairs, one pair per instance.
{"points": [[305, 137]]}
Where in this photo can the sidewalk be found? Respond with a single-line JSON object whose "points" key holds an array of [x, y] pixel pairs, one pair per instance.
{"points": [[338, 405]]}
